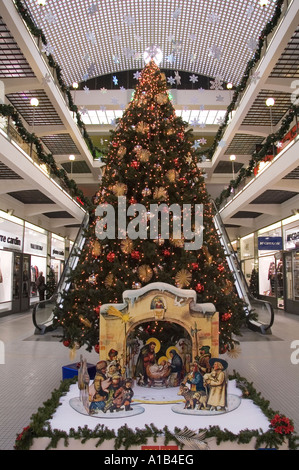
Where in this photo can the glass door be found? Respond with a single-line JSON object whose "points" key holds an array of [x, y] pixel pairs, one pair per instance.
{"points": [[25, 300], [291, 270]]}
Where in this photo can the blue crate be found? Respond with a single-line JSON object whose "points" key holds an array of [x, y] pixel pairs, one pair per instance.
{"points": [[71, 370]]}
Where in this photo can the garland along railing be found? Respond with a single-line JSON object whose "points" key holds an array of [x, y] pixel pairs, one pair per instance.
{"points": [[56, 69], [32, 145], [268, 148]]}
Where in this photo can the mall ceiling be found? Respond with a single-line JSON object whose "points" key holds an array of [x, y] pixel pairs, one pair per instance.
{"points": [[92, 41], [93, 38]]}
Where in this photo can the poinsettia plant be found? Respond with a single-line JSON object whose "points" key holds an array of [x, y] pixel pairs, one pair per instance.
{"points": [[282, 425]]}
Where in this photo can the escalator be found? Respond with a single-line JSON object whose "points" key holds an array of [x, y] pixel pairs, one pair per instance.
{"points": [[42, 314], [262, 310]]}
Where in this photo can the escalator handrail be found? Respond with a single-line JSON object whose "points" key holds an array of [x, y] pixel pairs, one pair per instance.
{"points": [[245, 285], [54, 296]]}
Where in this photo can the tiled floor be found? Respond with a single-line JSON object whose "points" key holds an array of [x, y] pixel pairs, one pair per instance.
{"points": [[32, 369]]}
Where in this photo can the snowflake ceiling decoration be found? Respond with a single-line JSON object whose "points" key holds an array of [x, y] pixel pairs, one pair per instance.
{"points": [[217, 36]]}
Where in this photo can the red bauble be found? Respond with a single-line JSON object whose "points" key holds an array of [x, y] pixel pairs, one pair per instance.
{"points": [[133, 201], [195, 266], [135, 164], [97, 348], [111, 257], [66, 343], [97, 310], [220, 268], [166, 252], [115, 144], [135, 254], [199, 287]]}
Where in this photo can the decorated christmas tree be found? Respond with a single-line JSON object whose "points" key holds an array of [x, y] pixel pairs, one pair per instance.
{"points": [[152, 160]]}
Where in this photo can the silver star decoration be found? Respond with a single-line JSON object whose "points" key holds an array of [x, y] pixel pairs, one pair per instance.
{"points": [[116, 59], [193, 78], [87, 58], [103, 108], [116, 38], [220, 98], [129, 20], [252, 44], [128, 52], [171, 80], [215, 52], [194, 122], [113, 122], [91, 69], [202, 125], [90, 36], [46, 79], [177, 47], [202, 107], [93, 9], [203, 141], [84, 110], [201, 90], [47, 49], [217, 83], [137, 37], [103, 90], [122, 89], [222, 143], [196, 144], [86, 90], [85, 77], [114, 101], [177, 77], [255, 77], [114, 79], [249, 11], [137, 75], [170, 58], [137, 56], [176, 13], [50, 18], [213, 18], [221, 121]]}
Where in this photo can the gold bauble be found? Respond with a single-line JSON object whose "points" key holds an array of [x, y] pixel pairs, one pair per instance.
{"points": [[126, 246], [142, 127], [161, 98], [160, 193], [109, 280], [183, 278], [96, 249], [122, 151], [177, 242], [171, 175], [144, 155], [119, 189], [145, 273]]}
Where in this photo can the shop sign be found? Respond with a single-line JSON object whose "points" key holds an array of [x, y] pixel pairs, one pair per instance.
{"points": [[35, 243], [58, 249], [270, 243], [10, 241]]}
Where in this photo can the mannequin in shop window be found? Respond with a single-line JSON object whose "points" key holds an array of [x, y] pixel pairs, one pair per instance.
{"points": [[271, 277], [280, 278], [41, 286]]}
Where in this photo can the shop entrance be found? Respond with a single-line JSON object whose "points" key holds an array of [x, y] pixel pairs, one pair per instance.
{"points": [[291, 270], [20, 283]]}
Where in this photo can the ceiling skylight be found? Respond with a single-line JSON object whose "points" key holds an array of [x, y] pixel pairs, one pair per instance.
{"points": [[195, 118], [92, 38]]}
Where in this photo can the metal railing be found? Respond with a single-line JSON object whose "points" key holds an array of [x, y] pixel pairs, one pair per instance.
{"points": [[43, 312], [262, 311]]}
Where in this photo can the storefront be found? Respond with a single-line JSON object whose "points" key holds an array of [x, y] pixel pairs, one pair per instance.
{"points": [[35, 247], [58, 250], [273, 252], [26, 251]]}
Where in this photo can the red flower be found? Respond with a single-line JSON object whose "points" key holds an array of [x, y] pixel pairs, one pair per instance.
{"points": [[282, 425]]}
